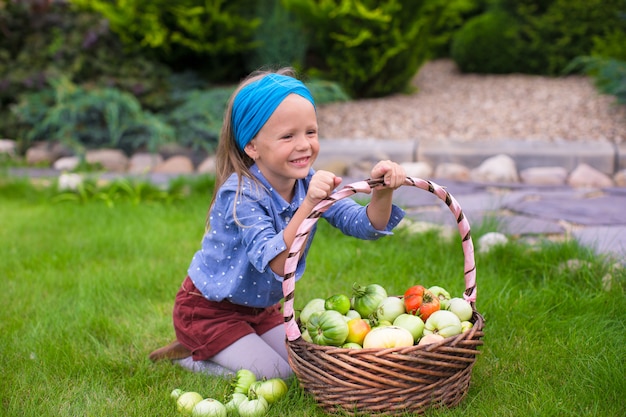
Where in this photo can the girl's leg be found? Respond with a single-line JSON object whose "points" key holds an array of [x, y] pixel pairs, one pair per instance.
{"points": [[276, 339], [253, 353]]}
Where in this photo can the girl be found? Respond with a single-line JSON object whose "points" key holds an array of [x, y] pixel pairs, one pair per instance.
{"points": [[227, 312]]}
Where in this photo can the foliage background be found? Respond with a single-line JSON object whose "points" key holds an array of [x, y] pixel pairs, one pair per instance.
{"points": [[70, 69]]}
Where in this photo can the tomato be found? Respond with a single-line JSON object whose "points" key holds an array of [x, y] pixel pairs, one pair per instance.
{"points": [[272, 390], [442, 294], [337, 302], [367, 298], [232, 405], [388, 337], [187, 401], [243, 379], [389, 309], [357, 329], [327, 328], [430, 338], [412, 323], [316, 304], [461, 308], [209, 407], [420, 302], [444, 323], [253, 408]]}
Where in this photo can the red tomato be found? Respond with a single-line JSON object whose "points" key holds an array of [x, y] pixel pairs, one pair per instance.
{"points": [[420, 302]]}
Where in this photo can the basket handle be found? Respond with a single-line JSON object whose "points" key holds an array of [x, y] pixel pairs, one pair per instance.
{"points": [[366, 186]]}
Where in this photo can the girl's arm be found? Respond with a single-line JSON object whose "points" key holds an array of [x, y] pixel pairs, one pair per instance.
{"points": [[321, 186], [379, 208]]}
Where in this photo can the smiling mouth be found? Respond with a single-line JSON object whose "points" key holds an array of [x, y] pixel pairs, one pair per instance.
{"points": [[301, 161]]}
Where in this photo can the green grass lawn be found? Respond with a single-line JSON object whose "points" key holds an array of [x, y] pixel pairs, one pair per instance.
{"points": [[87, 291]]}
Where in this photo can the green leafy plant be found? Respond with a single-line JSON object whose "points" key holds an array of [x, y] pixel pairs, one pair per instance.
{"points": [[280, 39], [211, 35], [609, 74], [488, 43], [90, 118], [371, 48]]}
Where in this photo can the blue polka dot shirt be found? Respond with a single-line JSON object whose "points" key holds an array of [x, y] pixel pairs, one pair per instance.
{"points": [[246, 232]]}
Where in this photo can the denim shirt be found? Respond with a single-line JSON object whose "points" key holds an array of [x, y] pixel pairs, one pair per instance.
{"points": [[246, 232]]}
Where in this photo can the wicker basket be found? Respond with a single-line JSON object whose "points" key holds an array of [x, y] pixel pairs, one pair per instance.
{"points": [[384, 381]]}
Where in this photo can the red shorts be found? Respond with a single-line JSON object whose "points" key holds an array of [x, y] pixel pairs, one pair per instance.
{"points": [[207, 327]]}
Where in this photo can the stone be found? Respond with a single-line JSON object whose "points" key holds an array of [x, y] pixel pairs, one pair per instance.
{"points": [[113, 160], [178, 164], [497, 169], [39, 155], [8, 146], [207, 166], [70, 181], [417, 169], [66, 163], [586, 176], [544, 176], [452, 171], [490, 240], [144, 162], [620, 178]]}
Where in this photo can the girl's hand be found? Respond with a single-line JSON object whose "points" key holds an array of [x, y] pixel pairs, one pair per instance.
{"points": [[392, 173], [322, 185]]}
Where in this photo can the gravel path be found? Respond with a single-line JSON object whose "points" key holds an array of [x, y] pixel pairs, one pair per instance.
{"points": [[466, 107]]}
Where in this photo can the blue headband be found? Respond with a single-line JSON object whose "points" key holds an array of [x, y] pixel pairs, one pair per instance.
{"points": [[255, 103]]}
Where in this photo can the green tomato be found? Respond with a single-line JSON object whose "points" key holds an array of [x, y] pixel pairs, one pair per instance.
{"points": [[444, 323], [176, 393], [442, 295], [390, 308], [243, 379], [271, 389], [337, 302], [413, 324], [316, 304], [209, 407], [327, 328], [367, 298], [353, 314], [461, 308], [387, 337], [253, 408], [187, 401], [232, 406]]}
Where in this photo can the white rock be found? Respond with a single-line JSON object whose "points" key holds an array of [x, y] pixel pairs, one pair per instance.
{"points": [[66, 163], [111, 159], [178, 164], [38, 155], [587, 176], [620, 178], [452, 171], [544, 176], [8, 146], [418, 169], [70, 181], [499, 168], [207, 166], [143, 162], [491, 240]]}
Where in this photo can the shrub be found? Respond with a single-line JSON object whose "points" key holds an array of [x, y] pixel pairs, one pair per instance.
{"points": [[609, 74], [209, 35], [79, 46], [371, 48], [488, 43], [89, 118], [280, 39]]}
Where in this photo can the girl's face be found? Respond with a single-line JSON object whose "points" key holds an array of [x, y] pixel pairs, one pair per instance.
{"points": [[287, 145]]}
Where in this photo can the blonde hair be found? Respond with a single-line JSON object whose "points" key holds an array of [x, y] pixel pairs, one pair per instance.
{"points": [[229, 158]]}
